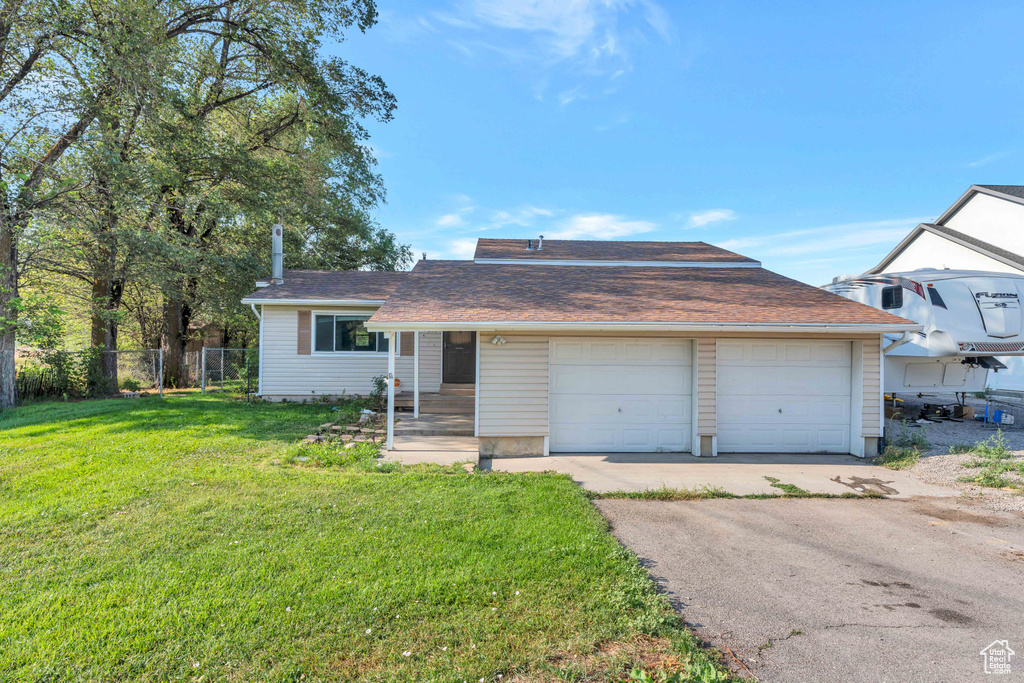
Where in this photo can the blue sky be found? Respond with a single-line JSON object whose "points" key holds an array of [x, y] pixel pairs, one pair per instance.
{"points": [[811, 136]]}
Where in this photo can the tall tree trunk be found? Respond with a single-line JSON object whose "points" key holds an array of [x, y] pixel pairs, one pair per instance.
{"points": [[106, 300], [8, 314], [177, 319]]}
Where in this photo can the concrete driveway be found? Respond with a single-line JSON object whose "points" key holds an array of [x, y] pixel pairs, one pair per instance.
{"points": [[840, 589], [738, 474]]}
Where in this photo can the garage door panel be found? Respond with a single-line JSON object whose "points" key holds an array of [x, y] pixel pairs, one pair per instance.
{"points": [[784, 396], [620, 395]]}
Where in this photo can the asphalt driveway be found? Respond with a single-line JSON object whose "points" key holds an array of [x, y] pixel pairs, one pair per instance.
{"points": [[840, 589]]}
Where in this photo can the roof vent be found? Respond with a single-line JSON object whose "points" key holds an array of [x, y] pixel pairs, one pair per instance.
{"points": [[540, 243], [529, 244]]}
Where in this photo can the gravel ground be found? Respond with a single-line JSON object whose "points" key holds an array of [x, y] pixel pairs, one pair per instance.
{"points": [[938, 466]]}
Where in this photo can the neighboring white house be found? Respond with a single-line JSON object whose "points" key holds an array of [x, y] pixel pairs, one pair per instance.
{"points": [[984, 231], [587, 346]]}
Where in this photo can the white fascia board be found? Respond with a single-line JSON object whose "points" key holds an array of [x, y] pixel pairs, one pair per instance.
{"points": [[636, 264], [315, 302], [966, 197], [501, 325]]}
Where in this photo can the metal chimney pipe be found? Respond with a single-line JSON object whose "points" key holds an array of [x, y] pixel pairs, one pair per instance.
{"points": [[277, 258], [540, 243]]}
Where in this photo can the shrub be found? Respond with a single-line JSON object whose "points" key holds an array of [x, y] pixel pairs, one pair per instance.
{"points": [[960, 447], [994, 448], [898, 457], [901, 435], [379, 395], [130, 384]]}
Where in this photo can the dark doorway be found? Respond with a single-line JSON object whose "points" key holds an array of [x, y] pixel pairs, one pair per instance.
{"points": [[459, 358]]}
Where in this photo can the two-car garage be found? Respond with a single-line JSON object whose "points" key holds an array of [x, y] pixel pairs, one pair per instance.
{"points": [[637, 395]]}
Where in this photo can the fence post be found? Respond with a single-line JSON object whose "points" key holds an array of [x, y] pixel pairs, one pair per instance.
{"points": [[160, 373], [222, 369], [202, 382]]}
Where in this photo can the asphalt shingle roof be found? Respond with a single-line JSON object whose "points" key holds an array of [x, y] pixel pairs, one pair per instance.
{"points": [[463, 291], [606, 250], [1013, 190], [325, 285]]}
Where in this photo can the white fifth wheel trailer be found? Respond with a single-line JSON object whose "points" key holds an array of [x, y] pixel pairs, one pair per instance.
{"points": [[969, 318]]}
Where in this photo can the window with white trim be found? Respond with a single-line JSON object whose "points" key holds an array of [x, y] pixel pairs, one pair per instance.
{"points": [[346, 333]]}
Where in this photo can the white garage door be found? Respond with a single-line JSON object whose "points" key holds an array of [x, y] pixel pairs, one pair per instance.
{"points": [[619, 395], [783, 396]]}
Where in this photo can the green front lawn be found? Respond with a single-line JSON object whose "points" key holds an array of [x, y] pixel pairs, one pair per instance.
{"points": [[158, 539]]}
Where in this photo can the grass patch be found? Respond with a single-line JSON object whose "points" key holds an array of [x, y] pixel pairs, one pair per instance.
{"points": [[667, 493], [788, 489], [898, 458], [960, 447], [191, 538], [899, 434], [995, 461]]}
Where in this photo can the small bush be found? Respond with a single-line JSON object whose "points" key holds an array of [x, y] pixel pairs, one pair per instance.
{"points": [[898, 457], [901, 435], [379, 394], [994, 448], [130, 384], [958, 448]]}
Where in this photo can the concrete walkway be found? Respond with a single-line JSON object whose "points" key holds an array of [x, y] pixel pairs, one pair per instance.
{"points": [[433, 425], [440, 450], [737, 474]]}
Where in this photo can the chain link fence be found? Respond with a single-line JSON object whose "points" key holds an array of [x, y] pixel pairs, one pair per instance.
{"points": [[230, 370], [89, 373]]}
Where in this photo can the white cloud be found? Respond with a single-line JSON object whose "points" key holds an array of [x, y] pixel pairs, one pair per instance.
{"points": [[600, 226], [985, 161], [523, 216], [825, 240], [450, 220], [699, 220], [589, 38], [462, 248]]}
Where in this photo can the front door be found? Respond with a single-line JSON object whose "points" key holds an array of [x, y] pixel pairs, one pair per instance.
{"points": [[459, 358]]}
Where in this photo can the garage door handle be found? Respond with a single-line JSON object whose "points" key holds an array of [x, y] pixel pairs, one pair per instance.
{"points": [[780, 410], [620, 410]]}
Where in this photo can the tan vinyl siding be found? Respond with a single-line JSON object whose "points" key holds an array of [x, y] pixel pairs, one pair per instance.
{"points": [[286, 373], [871, 424], [513, 386], [707, 404]]}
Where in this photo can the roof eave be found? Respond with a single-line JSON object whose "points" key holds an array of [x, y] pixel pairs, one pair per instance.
{"points": [[966, 196], [637, 264], [637, 326], [315, 302]]}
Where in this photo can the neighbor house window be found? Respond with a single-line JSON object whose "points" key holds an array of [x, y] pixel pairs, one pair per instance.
{"points": [[346, 333], [892, 297]]}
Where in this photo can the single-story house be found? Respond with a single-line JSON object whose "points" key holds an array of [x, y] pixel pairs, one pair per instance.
{"points": [[590, 346]]}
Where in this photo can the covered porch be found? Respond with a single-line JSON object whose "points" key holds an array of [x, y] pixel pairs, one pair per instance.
{"points": [[419, 418]]}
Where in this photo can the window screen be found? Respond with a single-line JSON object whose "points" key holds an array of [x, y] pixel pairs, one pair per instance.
{"points": [[892, 297], [346, 333]]}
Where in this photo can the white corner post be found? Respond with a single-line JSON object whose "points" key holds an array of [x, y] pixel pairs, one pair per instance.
{"points": [[391, 390], [415, 374]]}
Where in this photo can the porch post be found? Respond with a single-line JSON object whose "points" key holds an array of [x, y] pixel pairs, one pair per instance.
{"points": [[391, 390], [416, 374]]}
